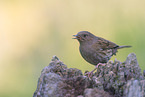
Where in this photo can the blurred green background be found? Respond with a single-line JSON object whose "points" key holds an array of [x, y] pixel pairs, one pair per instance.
{"points": [[32, 31]]}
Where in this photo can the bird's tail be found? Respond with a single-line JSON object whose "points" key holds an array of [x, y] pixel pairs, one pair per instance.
{"points": [[120, 47]]}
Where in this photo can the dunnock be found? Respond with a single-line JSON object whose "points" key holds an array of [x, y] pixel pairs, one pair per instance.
{"points": [[96, 50]]}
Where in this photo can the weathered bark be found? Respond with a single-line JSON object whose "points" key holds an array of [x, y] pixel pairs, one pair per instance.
{"points": [[116, 79]]}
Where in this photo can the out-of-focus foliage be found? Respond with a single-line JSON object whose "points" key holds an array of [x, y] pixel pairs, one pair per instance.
{"points": [[32, 31]]}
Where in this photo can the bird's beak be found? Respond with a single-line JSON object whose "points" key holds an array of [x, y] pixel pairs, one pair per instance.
{"points": [[75, 37]]}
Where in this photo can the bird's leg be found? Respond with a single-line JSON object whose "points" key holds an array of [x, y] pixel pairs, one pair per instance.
{"points": [[90, 74]]}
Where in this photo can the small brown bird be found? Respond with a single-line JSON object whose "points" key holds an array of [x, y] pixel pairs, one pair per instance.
{"points": [[96, 50]]}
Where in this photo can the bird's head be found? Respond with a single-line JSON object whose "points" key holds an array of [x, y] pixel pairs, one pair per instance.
{"points": [[84, 36]]}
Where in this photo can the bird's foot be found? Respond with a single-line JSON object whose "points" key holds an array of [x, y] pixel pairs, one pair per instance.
{"points": [[90, 74], [103, 64]]}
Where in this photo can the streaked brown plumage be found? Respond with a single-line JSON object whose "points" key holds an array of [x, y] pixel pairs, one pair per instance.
{"points": [[95, 49]]}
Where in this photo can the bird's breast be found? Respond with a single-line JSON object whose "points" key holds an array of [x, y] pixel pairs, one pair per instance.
{"points": [[88, 54]]}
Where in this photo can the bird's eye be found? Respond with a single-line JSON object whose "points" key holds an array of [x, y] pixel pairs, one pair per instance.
{"points": [[85, 35]]}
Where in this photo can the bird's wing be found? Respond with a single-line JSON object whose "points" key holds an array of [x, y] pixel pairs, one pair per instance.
{"points": [[103, 44]]}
